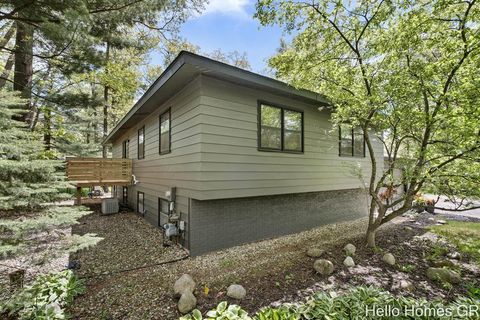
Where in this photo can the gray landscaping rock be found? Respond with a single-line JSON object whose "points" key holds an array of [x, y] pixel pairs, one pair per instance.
{"points": [[441, 221], [323, 266], [315, 252], [444, 275], [236, 291], [184, 284], [350, 249], [187, 302], [443, 263], [389, 259], [406, 285], [454, 255], [348, 262]]}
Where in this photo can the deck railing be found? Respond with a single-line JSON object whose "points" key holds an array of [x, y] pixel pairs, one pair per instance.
{"points": [[87, 172]]}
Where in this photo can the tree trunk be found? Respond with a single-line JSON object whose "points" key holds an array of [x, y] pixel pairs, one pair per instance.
{"points": [[6, 70], [371, 237], [47, 135], [22, 78], [105, 101]]}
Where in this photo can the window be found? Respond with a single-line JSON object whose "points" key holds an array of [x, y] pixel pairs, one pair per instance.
{"points": [[164, 206], [163, 209], [140, 202], [352, 142], [125, 148], [280, 129], [165, 133], [125, 195], [141, 143]]}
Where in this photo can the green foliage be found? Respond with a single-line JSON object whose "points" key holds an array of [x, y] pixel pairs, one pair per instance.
{"points": [[351, 305], [16, 233], [407, 268], [473, 290], [29, 184], [27, 178], [436, 251], [465, 235], [223, 311], [281, 313], [46, 298]]}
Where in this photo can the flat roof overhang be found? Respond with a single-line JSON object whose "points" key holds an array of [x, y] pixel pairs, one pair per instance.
{"points": [[186, 67]]}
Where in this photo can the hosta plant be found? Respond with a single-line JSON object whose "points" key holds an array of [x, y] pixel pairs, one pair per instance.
{"points": [[223, 311], [46, 298]]}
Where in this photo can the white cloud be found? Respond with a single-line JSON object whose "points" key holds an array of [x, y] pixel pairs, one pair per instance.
{"points": [[236, 7]]}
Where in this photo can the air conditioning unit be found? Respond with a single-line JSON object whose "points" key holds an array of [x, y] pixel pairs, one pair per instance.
{"points": [[109, 206]]}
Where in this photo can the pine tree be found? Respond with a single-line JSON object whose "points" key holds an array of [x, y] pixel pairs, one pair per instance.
{"points": [[30, 183]]}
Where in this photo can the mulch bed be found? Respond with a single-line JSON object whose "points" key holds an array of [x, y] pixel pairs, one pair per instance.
{"points": [[271, 270]]}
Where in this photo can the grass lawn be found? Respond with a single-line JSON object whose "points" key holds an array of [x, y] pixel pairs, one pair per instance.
{"points": [[465, 235]]}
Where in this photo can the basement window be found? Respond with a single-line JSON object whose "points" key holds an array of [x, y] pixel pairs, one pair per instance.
{"points": [[140, 202], [280, 129], [165, 133], [141, 143], [125, 149], [351, 141]]}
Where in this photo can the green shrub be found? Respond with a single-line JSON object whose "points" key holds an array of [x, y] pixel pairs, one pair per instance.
{"points": [[284, 312], [46, 298]]}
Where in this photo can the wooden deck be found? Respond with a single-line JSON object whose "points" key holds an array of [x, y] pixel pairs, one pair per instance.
{"points": [[89, 172]]}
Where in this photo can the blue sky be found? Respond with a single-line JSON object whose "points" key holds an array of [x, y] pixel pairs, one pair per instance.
{"points": [[228, 25]]}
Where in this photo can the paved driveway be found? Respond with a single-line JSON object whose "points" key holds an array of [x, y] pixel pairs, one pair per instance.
{"points": [[444, 203]]}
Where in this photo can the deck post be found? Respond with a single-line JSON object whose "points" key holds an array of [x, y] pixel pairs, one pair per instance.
{"points": [[79, 196]]}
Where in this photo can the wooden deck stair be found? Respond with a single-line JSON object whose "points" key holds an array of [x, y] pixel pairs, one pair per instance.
{"points": [[89, 172]]}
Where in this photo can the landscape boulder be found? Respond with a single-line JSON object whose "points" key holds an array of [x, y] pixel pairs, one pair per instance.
{"points": [[443, 275], [236, 291], [184, 284], [348, 262], [315, 252], [187, 302], [350, 249], [323, 266], [406, 285], [443, 263], [389, 259], [454, 255]]}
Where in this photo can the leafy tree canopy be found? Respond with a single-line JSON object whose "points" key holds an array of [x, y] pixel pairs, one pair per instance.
{"points": [[404, 70]]}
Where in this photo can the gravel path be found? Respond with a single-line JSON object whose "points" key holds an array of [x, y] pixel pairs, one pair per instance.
{"points": [[146, 293], [129, 242]]}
